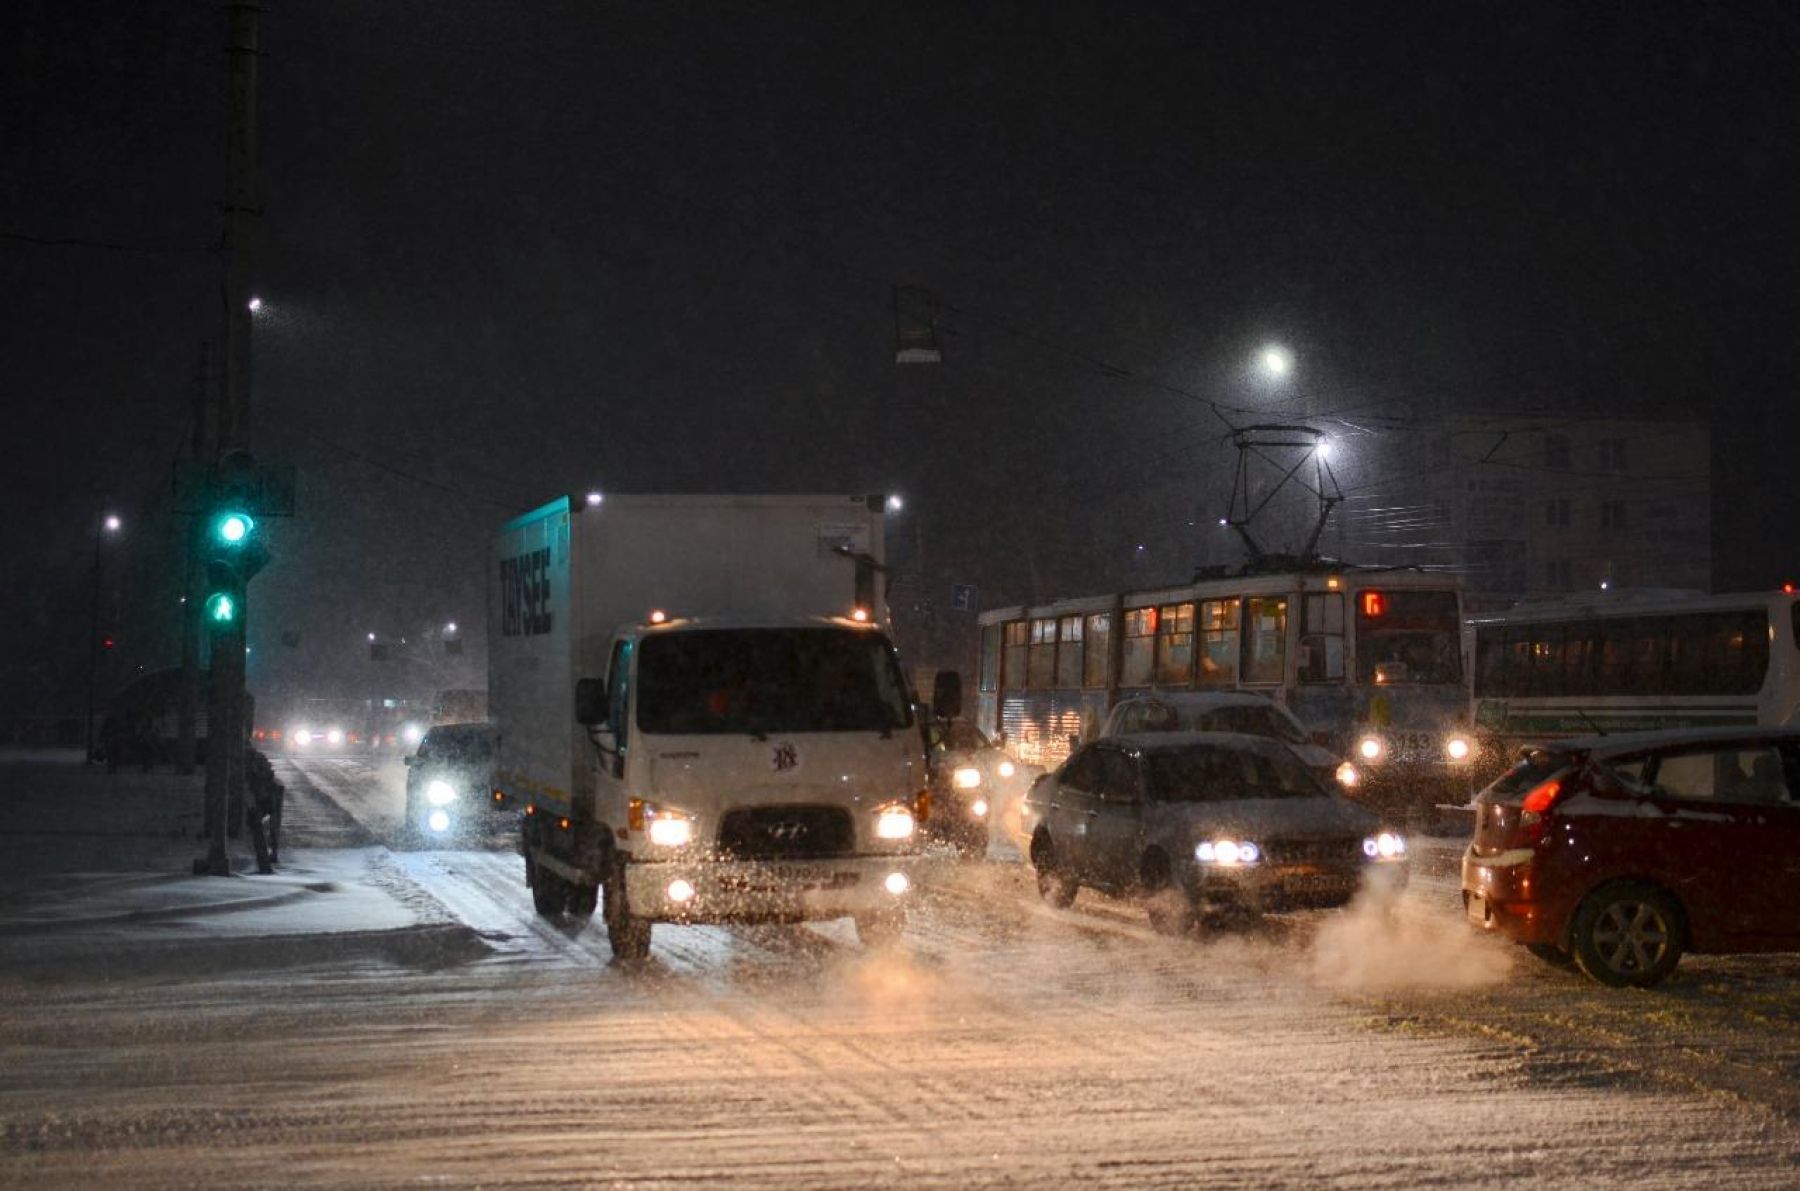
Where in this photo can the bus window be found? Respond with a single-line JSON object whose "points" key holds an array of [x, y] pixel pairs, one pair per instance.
{"points": [[1012, 658], [1140, 647], [1175, 645], [1098, 645], [1218, 642], [1322, 637], [1409, 637], [1040, 666], [1068, 653], [1265, 639]]}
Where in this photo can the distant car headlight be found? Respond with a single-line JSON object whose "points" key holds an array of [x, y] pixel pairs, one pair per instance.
{"points": [[894, 821], [1006, 769], [1371, 748], [1227, 853], [440, 793], [1389, 845], [1347, 775], [1458, 748], [438, 821], [966, 777], [334, 736], [412, 733], [979, 808]]}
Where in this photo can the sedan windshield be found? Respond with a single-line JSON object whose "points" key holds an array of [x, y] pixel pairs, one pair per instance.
{"points": [[1209, 773], [756, 681]]}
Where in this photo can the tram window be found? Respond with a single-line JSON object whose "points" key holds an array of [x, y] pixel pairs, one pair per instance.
{"points": [[1012, 660], [1218, 642], [1265, 639], [1322, 638], [1040, 668], [1140, 647], [1098, 645], [1175, 645], [1068, 652], [990, 657]]}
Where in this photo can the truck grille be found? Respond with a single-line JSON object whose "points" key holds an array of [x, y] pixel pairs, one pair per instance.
{"points": [[1313, 851], [786, 833]]}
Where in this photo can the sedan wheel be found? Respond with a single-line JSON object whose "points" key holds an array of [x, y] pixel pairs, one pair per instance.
{"points": [[1628, 935]]}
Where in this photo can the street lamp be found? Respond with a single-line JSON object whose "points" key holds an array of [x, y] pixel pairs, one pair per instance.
{"points": [[1276, 361], [105, 526]]}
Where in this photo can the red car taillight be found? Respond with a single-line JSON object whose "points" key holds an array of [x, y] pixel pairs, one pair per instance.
{"points": [[1537, 804]]}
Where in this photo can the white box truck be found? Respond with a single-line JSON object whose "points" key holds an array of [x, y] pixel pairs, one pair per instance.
{"points": [[700, 714]]}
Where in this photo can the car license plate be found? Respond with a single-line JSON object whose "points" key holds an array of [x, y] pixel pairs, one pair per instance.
{"points": [[1316, 883], [778, 878], [1476, 907]]}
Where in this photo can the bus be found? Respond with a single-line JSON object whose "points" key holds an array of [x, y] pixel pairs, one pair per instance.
{"points": [[1369, 659], [1632, 661]]}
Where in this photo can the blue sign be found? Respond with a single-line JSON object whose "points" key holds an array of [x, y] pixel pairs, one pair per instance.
{"points": [[962, 597]]}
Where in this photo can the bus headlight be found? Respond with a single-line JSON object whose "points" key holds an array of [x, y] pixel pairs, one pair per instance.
{"points": [[1347, 775], [1458, 748], [966, 777], [894, 821], [440, 793], [1371, 748]]}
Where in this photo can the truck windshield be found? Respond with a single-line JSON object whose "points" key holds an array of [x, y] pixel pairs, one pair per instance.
{"points": [[757, 681]]}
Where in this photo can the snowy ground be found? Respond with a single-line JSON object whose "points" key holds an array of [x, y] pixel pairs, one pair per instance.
{"points": [[1003, 1043]]}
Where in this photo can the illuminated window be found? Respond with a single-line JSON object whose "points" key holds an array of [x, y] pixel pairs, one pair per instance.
{"points": [[1068, 652], [1012, 661], [1040, 670], [1322, 638], [1140, 647], [1265, 639], [1098, 643]]}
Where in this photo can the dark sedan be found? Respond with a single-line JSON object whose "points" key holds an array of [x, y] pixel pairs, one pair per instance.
{"points": [[450, 783], [1203, 826]]}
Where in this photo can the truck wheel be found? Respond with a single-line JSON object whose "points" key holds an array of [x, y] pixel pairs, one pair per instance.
{"points": [[881, 928], [582, 900], [549, 893], [628, 934]]}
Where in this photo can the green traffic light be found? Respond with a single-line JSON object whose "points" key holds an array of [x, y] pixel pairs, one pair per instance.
{"points": [[233, 528], [221, 609]]}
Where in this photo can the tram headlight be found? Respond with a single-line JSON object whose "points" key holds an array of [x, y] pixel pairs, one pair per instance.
{"points": [[1347, 776], [1457, 747], [1371, 748]]}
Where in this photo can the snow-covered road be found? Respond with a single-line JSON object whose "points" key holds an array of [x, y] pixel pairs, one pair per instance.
{"points": [[1003, 1043]]}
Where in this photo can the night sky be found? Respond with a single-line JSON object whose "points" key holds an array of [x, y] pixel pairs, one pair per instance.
{"points": [[515, 249]]}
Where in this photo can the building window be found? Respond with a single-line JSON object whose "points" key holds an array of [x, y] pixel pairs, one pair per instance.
{"points": [[1218, 642], [1556, 575], [1012, 659], [1041, 669], [1097, 646], [1265, 639], [1556, 512], [1322, 638], [1175, 645], [1068, 653], [1140, 647], [1612, 514], [1556, 452]]}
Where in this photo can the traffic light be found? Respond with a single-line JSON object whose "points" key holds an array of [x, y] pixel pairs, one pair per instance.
{"points": [[221, 610]]}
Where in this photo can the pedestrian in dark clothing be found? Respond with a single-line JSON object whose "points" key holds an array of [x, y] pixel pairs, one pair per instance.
{"points": [[262, 809]]}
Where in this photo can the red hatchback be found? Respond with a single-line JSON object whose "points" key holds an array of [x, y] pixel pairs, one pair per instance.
{"points": [[1622, 852]]}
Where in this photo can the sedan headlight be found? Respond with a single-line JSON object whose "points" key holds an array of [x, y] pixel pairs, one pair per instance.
{"points": [[979, 808], [966, 777], [440, 793], [334, 736], [1389, 845], [1347, 776], [412, 734], [1227, 853], [1458, 748], [1371, 748], [894, 821]]}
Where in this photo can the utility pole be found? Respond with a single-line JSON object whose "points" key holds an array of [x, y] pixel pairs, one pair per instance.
{"points": [[188, 710], [225, 731]]}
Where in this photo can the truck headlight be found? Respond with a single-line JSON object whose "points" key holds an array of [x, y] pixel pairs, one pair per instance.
{"points": [[894, 821], [966, 777], [1458, 748], [1389, 845], [666, 826], [1371, 748], [1227, 853], [440, 793], [1347, 775]]}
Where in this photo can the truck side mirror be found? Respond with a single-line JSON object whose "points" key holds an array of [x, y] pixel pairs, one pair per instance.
{"points": [[591, 708], [946, 694]]}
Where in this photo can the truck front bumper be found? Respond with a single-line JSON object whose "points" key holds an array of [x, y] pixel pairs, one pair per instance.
{"points": [[772, 890]]}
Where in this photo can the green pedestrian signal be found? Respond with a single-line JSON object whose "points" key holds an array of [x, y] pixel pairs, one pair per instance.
{"points": [[221, 609]]}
